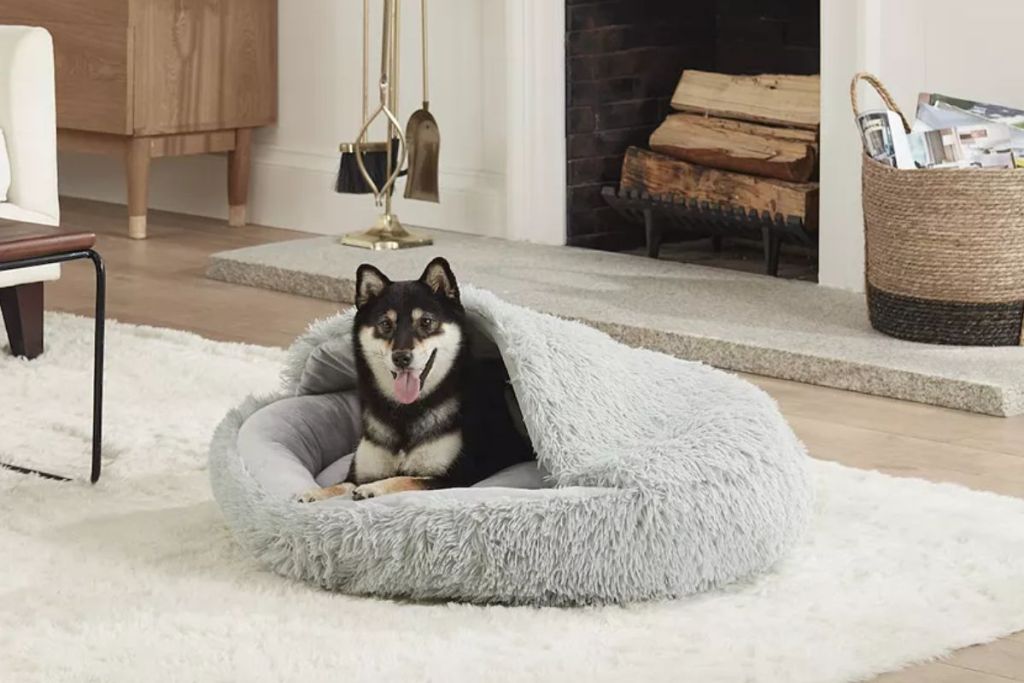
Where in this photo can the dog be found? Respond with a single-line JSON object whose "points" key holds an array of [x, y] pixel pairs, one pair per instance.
{"points": [[433, 415]]}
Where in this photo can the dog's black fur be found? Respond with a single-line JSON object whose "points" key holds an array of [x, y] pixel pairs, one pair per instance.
{"points": [[490, 440]]}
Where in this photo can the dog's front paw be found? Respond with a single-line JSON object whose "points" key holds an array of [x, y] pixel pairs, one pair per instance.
{"points": [[325, 493], [310, 496], [384, 487], [363, 492], [367, 491]]}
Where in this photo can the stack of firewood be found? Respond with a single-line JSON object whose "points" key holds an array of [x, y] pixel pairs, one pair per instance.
{"points": [[747, 142]]}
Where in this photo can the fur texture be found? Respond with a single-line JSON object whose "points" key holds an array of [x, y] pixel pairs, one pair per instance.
{"points": [[679, 477]]}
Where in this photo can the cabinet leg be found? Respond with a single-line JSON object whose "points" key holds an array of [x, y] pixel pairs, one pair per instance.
{"points": [[22, 307], [239, 167], [137, 165]]}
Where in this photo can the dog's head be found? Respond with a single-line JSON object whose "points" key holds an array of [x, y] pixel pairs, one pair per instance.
{"points": [[409, 333]]}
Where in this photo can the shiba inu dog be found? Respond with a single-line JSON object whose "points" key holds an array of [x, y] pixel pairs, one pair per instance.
{"points": [[433, 416]]}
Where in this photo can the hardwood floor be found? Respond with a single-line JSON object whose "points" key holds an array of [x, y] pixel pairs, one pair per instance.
{"points": [[160, 282]]}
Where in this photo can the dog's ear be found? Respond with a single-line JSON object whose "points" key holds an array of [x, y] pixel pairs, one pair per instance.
{"points": [[370, 282], [439, 277]]}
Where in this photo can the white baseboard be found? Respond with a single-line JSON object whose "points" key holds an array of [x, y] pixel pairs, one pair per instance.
{"points": [[290, 189]]}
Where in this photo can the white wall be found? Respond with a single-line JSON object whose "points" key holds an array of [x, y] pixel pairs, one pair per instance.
{"points": [[949, 46], [320, 106], [955, 48]]}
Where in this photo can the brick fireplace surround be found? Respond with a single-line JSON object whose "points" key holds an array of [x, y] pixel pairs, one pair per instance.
{"points": [[623, 59]]}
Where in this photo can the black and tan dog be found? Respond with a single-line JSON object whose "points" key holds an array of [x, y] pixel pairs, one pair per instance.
{"points": [[433, 415]]}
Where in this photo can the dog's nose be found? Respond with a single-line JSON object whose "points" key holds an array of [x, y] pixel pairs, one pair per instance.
{"points": [[401, 359]]}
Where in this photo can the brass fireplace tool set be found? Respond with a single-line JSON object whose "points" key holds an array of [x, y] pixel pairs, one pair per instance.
{"points": [[373, 167]]}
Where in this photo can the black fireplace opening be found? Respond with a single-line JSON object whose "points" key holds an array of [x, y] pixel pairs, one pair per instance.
{"points": [[623, 61]]}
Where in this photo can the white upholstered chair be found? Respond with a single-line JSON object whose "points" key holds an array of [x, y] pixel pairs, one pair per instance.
{"points": [[28, 118]]}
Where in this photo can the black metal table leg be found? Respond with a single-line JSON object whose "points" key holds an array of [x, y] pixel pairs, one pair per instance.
{"points": [[99, 341], [98, 353]]}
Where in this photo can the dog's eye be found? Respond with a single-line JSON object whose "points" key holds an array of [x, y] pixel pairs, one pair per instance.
{"points": [[427, 323], [385, 327]]}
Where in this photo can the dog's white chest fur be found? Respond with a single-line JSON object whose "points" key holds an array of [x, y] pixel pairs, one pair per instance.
{"points": [[429, 459], [433, 455]]}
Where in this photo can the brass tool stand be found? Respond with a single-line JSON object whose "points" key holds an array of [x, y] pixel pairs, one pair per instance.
{"points": [[388, 233]]}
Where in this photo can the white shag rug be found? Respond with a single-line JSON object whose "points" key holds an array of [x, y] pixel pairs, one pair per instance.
{"points": [[137, 578]]}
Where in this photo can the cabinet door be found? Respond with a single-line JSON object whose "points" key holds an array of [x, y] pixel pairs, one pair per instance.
{"points": [[93, 76], [204, 65], [91, 45]]}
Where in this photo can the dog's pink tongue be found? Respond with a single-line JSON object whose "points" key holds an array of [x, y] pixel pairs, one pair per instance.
{"points": [[407, 386]]}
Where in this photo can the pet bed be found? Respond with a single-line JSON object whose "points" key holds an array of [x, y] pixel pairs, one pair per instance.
{"points": [[656, 477]]}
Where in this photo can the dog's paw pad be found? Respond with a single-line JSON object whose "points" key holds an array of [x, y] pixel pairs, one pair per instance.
{"points": [[308, 497], [364, 492], [323, 494]]}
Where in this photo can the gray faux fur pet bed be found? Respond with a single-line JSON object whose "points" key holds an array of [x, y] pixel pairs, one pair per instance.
{"points": [[658, 478]]}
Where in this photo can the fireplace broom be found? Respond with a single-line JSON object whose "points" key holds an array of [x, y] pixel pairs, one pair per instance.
{"points": [[375, 154]]}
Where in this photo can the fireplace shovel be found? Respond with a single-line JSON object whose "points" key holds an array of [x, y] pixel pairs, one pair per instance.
{"points": [[424, 138]]}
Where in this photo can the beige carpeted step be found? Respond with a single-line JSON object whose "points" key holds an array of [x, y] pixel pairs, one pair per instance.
{"points": [[737, 321]]}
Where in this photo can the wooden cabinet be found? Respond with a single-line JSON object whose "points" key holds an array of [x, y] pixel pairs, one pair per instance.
{"points": [[152, 78]]}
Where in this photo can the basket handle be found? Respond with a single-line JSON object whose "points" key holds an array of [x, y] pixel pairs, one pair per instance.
{"points": [[882, 91]]}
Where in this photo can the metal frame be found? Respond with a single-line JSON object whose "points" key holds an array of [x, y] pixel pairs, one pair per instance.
{"points": [[690, 217], [99, 336]]}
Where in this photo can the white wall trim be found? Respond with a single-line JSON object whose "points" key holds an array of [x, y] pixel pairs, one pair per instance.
{"points": [[315, 160], [291, 189], [535, 126]]}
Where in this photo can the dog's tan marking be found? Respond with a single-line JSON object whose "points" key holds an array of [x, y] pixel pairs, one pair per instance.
{"points": [[325, 493], [392, 315], [417, 313], [432, 458], [392, 485]]}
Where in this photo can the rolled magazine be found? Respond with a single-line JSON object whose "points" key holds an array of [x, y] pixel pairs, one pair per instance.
{"points": [[885, 139]]}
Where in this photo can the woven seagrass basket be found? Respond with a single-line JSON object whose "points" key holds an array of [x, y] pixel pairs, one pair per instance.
{"points": [[944, 250]]}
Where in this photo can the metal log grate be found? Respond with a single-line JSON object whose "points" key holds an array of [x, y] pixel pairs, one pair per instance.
{"points": [[677, 214]]}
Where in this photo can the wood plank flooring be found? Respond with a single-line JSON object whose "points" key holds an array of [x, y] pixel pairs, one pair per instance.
{"points": [[160, 282]]}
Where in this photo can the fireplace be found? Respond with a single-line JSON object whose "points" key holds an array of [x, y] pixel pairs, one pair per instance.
{"points": [[623, 59]]}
